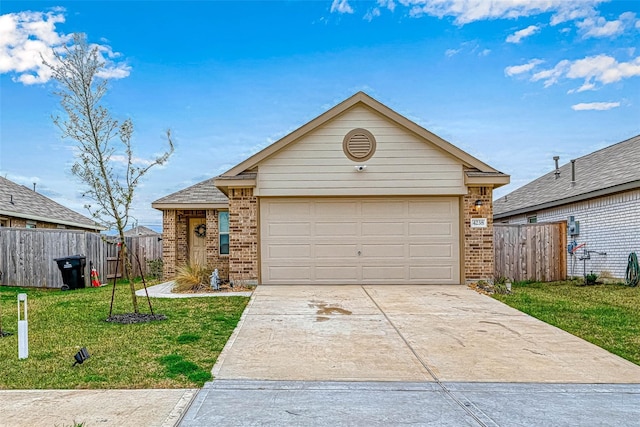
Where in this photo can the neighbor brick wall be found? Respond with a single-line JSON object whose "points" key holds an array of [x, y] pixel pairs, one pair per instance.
{"points": [[608, 224], [22, 223], [478, 242], [243, 236]]}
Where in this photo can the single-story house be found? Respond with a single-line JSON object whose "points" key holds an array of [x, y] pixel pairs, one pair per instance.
{"points": [[23, 207], [358, 195], [599, 197], [140, 231]]}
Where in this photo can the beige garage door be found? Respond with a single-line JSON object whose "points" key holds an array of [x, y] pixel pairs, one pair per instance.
{"points": [[363, 241]]}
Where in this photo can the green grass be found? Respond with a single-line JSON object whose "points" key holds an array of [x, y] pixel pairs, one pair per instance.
{"points": [[174, 353], [605, 315]]}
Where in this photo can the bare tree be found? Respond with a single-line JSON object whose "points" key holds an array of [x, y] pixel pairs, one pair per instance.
{"points": [[105, 162]]}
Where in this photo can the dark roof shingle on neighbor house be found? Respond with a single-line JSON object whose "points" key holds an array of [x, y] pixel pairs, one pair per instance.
{"points": [[19, 201], [203, 194], [606, 171]]}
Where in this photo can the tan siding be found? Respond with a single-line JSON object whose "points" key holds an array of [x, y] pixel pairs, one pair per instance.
{"points": [[402, 165]]}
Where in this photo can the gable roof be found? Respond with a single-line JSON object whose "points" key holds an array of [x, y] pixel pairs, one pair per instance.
{"points": [[606, 171], [198, 196], [19, 201], [140, 231], [362, 98]]}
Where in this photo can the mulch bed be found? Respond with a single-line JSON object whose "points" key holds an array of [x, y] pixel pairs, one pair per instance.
{"points": [[129, 318], [224, 287]]}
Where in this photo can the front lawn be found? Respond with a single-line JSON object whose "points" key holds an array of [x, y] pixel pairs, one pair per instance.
{"points": [[605, 315], [175, 353]]}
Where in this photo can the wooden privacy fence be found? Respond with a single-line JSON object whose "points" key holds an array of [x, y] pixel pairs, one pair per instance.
{"points": [[27, 255], [531, 251]]}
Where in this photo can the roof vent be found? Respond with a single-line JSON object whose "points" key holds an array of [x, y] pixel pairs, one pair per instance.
{"points": [[557, 172], [359, 145]]}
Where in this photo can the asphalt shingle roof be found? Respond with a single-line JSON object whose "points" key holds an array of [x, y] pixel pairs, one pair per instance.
{"points": [[600, 171], [140, 231], [19, 201], [200, 193]]}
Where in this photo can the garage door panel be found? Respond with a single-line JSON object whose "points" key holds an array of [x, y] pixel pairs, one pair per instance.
{"points": [[333, 209], [289, 273], [432, 273], [383, 209], [290, 229], [331, 229], [444, 209], [331, 241], [288, 209], [285, 251], [373, 229], [383, 251], [336, 274], [431, 251], [336, 250], [431, 229]]}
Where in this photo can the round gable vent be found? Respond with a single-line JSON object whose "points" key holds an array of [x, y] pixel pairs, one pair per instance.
{"points": [[359, 145]]}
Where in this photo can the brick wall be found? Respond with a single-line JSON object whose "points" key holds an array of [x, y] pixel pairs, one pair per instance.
{"points": [[214, 259], [608, 224], [243, 236], [478, 242], [175, 241], [22, 223]]}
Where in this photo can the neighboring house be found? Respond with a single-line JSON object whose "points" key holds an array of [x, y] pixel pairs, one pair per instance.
{"points": [[598, 195], [140, 231], [359, 195], [22, 207]]}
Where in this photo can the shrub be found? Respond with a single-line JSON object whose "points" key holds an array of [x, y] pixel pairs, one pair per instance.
{"points": [[191, 278]]}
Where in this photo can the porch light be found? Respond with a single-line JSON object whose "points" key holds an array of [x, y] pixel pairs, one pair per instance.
{"points": [[477, 205]]}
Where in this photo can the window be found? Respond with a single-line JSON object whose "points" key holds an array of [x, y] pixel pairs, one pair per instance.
{"points": [[30, 224], [532, 219], [223, 232]]}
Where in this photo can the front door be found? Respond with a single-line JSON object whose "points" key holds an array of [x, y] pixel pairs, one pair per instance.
{"points": [[197, 241]]}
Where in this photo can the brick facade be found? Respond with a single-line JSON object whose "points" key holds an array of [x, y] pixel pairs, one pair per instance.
{"points": [[478, 242], [175, 241], [608, 224], [8, 221], [243, 236]]}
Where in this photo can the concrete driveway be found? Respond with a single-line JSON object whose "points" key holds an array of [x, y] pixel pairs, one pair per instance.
{"points": [[441, 355]]}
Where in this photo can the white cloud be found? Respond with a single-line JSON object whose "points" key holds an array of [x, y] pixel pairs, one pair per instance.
{"points": [[122, 159], [341, 6], [466, 11], [451, 52], [598, 106], [524, 68], [597, 26], [485, 52], [601, 69], [526, 32], [26, 38]]}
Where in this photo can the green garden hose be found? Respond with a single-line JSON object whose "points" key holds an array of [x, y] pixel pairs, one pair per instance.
{"points": [[632, 277]]}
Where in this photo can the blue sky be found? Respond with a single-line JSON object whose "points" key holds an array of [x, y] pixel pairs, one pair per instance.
{"points": [[512, 82]]}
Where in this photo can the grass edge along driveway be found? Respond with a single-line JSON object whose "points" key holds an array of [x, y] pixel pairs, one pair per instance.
{"points": [[606, 315], [175, 353]]}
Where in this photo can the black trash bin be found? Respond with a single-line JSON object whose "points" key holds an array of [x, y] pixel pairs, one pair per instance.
{"points": [[72, 269]]}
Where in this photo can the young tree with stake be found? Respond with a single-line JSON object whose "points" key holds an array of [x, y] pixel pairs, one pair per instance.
{"points": [[99, 137]]}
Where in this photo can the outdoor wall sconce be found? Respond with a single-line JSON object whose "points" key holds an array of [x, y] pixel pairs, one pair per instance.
{"points": [[477, 205]]}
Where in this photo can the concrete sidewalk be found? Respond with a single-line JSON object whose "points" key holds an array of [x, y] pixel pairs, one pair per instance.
{"points": [[314, 404], [108, 408]]}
